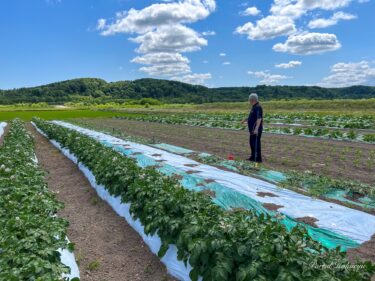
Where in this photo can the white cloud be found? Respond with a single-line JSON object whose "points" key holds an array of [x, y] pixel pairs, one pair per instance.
{"points": [[172, 38], [226, 63], [222, 54], [297, 8], [268, 28], [196, 78], [349, 74], [268, 78], [161, 32], [209, 33], [322, 23], [163, 64], [284, 16], [101, 24], [161, 58], [291, 64], [308, 44], [166, 69], [155, 15], [205, 61], [251, 11]]}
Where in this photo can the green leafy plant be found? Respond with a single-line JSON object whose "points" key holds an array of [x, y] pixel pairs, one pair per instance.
{"points": [[30, 233]]}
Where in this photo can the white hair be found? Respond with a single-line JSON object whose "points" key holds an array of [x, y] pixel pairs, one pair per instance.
{"points": [[253, 96]]}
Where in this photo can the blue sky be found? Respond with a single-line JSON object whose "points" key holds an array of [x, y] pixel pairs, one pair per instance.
{"points": [[215, 43]]}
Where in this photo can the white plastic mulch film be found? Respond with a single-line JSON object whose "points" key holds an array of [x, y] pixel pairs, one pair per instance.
{"points": [[337, 220], [2, 127], [69, 260], [66, 256]]}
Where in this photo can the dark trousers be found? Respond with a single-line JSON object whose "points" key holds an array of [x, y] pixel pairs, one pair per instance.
{"points": [[255, 146]]}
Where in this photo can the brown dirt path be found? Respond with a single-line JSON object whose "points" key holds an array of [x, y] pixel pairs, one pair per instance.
{"points": [[106, 247]]}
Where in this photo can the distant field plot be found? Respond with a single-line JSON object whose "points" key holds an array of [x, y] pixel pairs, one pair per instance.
{"points": [[338, 159]]}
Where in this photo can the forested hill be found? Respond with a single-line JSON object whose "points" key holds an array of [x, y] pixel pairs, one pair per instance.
{"points": [[89, 89]]}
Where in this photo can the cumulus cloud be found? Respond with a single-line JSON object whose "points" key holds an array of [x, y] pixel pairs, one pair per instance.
{"points": [[308, 44], [145, 20], [196, 78], [250, 11], [161, 58], [349, 74], [161, 32], [226, 63], [172, 38], [222, 54], [291, 64], [268, 78], [268, 28], [166, 69], [163, 64], [297, 8], [282, 20], [322, 23]]}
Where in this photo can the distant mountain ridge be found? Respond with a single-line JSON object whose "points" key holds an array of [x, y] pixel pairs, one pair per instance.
{"points": [[89, 89]]}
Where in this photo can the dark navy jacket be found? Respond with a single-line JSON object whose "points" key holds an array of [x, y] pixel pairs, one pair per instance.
{"points": [[255, 113]]}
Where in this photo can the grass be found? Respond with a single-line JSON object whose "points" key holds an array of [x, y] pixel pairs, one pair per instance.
{"points": [[27, 115], [93, 265], [322, 107]]}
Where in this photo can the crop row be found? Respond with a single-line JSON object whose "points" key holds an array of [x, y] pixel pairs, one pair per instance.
{"points": [[218, 244], [215, 122], [329, 121], [30, 233]]}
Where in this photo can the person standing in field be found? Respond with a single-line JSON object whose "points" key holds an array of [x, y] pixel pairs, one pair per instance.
{"points": [[255, 126]]}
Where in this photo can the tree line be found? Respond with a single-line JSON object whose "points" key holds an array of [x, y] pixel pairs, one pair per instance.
{"points": [[92, 90]]}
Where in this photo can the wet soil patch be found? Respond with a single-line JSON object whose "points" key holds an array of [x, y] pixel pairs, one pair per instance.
{"points": [[308, 220], [209, 192], [190, 172], [272, 207], [264, 194], [191, 165]]}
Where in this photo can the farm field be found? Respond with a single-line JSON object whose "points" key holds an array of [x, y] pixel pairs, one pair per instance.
{"points": [[187, 140], [106, 187], [90, 216], [338, 159], [56, 134]]}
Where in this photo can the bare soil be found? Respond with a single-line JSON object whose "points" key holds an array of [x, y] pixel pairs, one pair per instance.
{"points": [[338, 159], [308, 220], [209, 192], [271, 206], [102, 238], [264, 194], [366, 252]]}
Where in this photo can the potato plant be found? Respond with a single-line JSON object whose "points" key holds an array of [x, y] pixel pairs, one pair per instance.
{"points": [[30, 233], [232, 121]]}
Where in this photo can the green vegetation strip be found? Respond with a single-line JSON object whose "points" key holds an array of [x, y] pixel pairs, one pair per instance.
{"points": [[30, 233], [232, 121], [219, 245]]}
